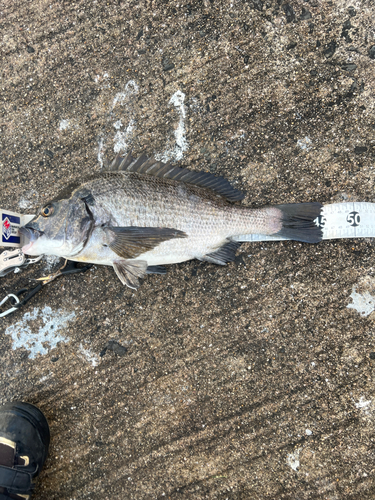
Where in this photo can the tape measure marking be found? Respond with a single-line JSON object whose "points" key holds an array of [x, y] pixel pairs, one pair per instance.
{"points": [[348, 220]]}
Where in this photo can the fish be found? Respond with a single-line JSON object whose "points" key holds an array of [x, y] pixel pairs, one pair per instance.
{"points": [[140, 214]]}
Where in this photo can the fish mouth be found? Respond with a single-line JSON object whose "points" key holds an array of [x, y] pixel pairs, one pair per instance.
{"points": [[31, 235]]}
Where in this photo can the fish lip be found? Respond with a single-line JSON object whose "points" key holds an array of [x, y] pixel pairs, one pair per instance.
{"points": [[30, 233]]}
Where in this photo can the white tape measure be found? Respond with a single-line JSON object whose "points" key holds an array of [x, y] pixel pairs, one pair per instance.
{"points": [[340, 220], [347, 220]]}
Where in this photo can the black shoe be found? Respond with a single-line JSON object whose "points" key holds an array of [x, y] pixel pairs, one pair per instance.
{"points": [[24, 441]]}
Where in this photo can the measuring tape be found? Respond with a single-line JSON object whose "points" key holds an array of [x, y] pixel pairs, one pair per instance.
{"points": [[355, 219]]}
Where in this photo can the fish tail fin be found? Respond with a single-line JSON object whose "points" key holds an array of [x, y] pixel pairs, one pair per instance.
{"points": [[294, 221], [298, 222]]}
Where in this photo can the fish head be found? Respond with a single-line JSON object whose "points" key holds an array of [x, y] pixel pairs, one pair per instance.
{"points": [[61, 228]]}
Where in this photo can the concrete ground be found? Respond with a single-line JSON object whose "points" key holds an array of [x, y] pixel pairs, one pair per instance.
{"points": [[250, 381]]}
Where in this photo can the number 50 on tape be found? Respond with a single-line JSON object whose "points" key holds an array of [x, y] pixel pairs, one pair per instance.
{"points": [[347, 220]]}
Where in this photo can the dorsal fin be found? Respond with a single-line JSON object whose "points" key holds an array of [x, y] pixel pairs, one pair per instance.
{"points": [[150, 166]]}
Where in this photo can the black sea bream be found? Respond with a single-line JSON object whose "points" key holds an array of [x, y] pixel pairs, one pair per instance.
{"points": [[141, 214]]}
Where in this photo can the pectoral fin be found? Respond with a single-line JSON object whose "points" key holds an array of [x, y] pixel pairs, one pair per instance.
{"points": [[130, 242], [129, 272]]}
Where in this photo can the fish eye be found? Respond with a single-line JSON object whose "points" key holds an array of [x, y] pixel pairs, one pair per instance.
{"points": [[47, 210]]}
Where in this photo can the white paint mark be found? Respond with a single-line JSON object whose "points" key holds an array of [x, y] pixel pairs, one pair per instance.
{"points": [[46, 338], [362, 403], [293, 459], [364, 303], [122, 139], [89, 355], [308, 432], [305, 143], [182, 145], [131, 88], [101, 149], [64, 125]]}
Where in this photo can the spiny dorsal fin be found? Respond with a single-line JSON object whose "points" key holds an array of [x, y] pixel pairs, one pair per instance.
{"points": [[150, 166]]}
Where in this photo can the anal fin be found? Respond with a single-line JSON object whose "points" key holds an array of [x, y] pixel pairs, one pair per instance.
{"points": [[225, 254], [129, 272]]}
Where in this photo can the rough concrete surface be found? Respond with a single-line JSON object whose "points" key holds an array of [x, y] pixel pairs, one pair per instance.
{"points": [[250, 381]]}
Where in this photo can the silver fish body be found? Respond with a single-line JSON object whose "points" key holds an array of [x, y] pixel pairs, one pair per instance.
{"points": [[145, 214]]}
